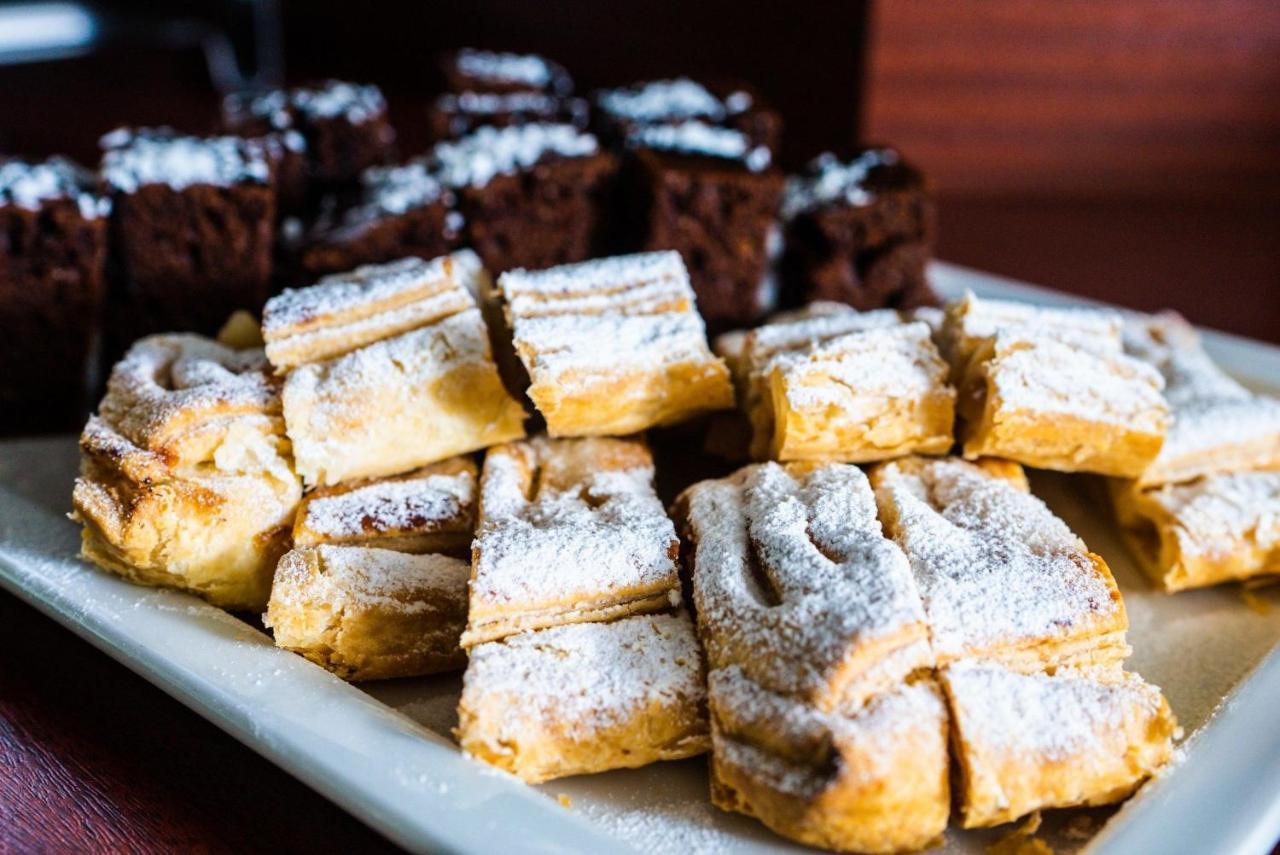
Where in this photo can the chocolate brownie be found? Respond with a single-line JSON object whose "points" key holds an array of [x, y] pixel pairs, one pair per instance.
{"points": [[456, 115], [53, 244], [859, 231], [532, 195], [191, 231], [344, 126], [710, 194], [472, 70], [402, 211], [621, 112]]}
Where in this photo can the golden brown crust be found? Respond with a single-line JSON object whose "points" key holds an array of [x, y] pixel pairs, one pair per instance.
{"points": [[370, 614]]}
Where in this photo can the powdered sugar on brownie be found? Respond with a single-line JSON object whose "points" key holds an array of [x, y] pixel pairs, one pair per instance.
{"points": [[491, 67], [699, 138], [795, 582], [664, 101], [828, 180], [134, 159], [30, 185], [999, 573], [488, 152], [331, 99]]}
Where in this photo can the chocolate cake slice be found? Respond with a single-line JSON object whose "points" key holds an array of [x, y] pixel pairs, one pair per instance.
{"points": [[859, 231]]}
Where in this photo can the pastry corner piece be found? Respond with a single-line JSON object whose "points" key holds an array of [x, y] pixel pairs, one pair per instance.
{"points": [[872, 778], [1217, 528], [389, 368], [1024, 742], [586, 698], [613, 346], [1001, 576], [1052, 388], [570, 531], [431, 509], [367, 614], [185, 479]]}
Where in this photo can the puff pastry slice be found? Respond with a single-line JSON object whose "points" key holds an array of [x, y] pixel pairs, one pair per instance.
{"points": [[1218, 425], [867, 778], [584, 698], [795, 584], [432, 509], [392, 388], [1024, 742], [1214, 529], [1001, 577], [570, 531], [185, 476], [1052, 388], [613, 346], [368, 614]]}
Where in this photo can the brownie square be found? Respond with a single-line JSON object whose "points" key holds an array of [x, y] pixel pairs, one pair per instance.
{"points": [[532, 195], [621, 112], [191, 231], [711, 195], [53, 245], [455, 115], [858, 231], [402, 211], [472, 70], [344, 126]]}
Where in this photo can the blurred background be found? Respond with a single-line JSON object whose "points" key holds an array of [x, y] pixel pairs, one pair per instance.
{"points": [[1124, 151]]}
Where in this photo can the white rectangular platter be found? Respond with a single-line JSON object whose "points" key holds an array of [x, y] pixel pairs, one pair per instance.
{"points": [[383, 751]]}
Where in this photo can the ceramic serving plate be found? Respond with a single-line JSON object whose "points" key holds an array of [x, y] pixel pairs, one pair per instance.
{"points": [[383, 751]]}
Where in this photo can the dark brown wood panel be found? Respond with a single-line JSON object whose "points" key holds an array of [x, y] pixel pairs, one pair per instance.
{"points": [[1081, 97]]}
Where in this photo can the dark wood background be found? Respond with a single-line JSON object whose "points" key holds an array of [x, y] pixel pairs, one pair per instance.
{"points": [[1128, 151]]}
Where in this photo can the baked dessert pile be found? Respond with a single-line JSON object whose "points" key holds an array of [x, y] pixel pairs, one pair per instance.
{"points": [[851, 624]]}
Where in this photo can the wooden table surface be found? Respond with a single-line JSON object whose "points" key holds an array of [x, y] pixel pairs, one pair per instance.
{"points": [[95, 759]]}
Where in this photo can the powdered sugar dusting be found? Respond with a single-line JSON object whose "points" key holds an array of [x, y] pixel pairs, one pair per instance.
{"points": [[700, 138], [134, 159], [601, 536], [663, 101], [1215, 516], [828, 180], [354, 575], [331, 99], [488, 152], [431, 501], [794, 581], [30, 185], [492, 67], [998, 572]]}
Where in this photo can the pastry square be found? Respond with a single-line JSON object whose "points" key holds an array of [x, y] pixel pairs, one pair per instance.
{"points": [[53, 215], [751, 354], [585, 698], [1218, 425], [370, 614], [1053, 388], [710, 194], [863, 396], [858, 231], [795, 584], [1024, 742], [391, 369], [866, 778], [1214, 529], [1001, 577], [570, 531], [432, 509], [613, 346], [185, 476]]}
